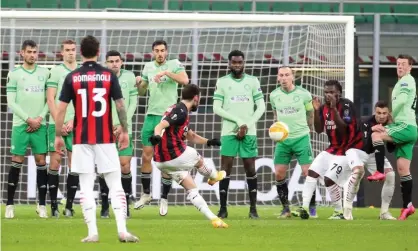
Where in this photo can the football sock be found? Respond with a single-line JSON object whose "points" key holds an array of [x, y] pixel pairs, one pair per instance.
{"points": [[335, 194], [200, 203], [166, 187], [309, 188], [88, 205], [379, 154], [146, 182], [387, 191], [72, 185], [312, 204], [406, 189], [127, 184], [53, 180], [252, 190], [353, 187], [223, 191], [207, 171], [13, 181], [42, 182], [283, 192], [117, 195], [104, 193]]}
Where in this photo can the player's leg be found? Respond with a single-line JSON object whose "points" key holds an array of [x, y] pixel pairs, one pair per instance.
{"points": [[248, 151], [53, 171], [125, 157], [229, 150], [282, 157], [163, 203], [104, 197], [72, 183], [404, 156]]}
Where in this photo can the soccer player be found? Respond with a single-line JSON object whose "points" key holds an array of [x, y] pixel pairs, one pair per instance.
{"points": [[54, 86], [359, 163], [130, 94], [402, 132], [175, 159], [292, 105], [26, 96], [234, 100], [162, 78], [338, 118], [91, 88]]}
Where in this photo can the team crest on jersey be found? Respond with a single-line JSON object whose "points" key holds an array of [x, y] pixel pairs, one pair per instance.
{"points": [[347, 115], [124, 85], [164, 67], [247, 87], [41, 78], [296, 98]]}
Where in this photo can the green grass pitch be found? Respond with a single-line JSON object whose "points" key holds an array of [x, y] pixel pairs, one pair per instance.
{"points": [[184, 228]]}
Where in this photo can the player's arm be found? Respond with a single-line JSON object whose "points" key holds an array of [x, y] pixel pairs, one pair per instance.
{"points": [[66, 95], [133, 100], [318, 119], [341, 123], [176, 117], [258, 98], [11, 89], [273, 106], [116, 95], [197, 139], [142, 87], [51, 92], [179, 74], [218, 99], [309, 110], [402, 97]]}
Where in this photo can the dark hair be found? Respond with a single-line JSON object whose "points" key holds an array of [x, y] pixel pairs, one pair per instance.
{"points": [[189, 91], [334, 83], [405, 56], [381, 104], [29, 43], [67, 41], [89, 47], [159, 42], [113, 53], [236, 53]]}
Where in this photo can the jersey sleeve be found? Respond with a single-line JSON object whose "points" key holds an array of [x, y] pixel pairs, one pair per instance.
{"points": [[348, 113], [115, 90], [53, 79], [257, 93], [178, 67], [177, 116], [144, 73], [67, 92], [307, 101], [407, 86], [219, 93], [133, 91], [272, 102], [11, 85]]}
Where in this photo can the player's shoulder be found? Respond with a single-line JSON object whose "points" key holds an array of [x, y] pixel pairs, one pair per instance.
{"points": [[407, 81], [251, 77], [276, 92], [15, 72], [42, 70], [346, 102], [302, 90], [370, 120], [128, 73], [56, 69], [223, 79]]}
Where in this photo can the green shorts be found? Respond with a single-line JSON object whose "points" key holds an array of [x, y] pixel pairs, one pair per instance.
{"points": [[68, 140], [129, 151], [21, 139], [404, 136], [246, 148], [299, 147], [150, 122]]}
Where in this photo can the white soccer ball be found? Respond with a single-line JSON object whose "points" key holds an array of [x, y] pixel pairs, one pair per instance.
{"points": [[278, 131]]}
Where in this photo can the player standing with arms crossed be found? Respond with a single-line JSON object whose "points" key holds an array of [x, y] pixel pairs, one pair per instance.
{"points": [[130, 95], [234, 100], [54, 87], [292, 105], [26, 96], [402, 132], [162, 78], [91, 87]]}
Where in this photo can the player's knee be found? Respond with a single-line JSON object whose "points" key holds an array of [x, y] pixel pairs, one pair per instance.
{"points": [[147, 156], [280, 171], [40, 160], [403, 166], [359, 170], [200, 163], [313, 174], [390, 177], [328, 182], [125, 166], [54, 161], [18, 158], [376, 136]]}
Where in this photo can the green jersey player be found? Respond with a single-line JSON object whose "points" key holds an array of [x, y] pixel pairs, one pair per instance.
{"points": [[292, 105], [130, 94], [54, 87], [403, 132], [26, 97], [161, 77], [234, 100]]}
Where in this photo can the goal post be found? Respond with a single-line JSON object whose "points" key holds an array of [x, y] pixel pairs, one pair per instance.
{"points": [[317, 47]]}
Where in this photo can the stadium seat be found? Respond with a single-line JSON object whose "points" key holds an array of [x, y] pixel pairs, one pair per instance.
{"points": [[64, 4], [192, 5], [98, 4], [44, 4], [14, 4], [278, 7], [143, 4], [319, 7], [231, 6]]}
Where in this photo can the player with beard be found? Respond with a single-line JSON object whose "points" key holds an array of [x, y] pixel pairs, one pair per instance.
{"points": [[234, 100]]}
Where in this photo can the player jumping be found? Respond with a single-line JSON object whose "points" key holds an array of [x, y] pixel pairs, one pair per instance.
{"points": [[162, 78], [130, 95], [26, 96], [175, 159], [234, 100], [91, 87], [54, 86], [402, 132], [292, 105]]}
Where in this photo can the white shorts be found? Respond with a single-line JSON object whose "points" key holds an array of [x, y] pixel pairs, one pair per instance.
{"points": [[371, 164], [181, 166], [356, 157], [85, 157], [332, 166]]}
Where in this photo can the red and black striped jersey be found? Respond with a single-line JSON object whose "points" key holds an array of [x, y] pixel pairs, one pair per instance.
{"points": [[91, 88], [172, 143]]}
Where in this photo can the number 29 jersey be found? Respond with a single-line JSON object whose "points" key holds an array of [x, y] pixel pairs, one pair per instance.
{"points": [[91, 88]]}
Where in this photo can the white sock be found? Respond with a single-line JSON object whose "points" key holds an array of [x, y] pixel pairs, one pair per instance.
{"points": [[387, 191], [353, 186], [207, 171], [200, 203], [308, 189], [88, 204], [335, 194], [117, 196]]}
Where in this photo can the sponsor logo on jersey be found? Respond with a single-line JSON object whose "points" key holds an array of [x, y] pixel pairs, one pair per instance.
{"points": [[288, 110], [239, 99], [404, 84], [35, 88]]}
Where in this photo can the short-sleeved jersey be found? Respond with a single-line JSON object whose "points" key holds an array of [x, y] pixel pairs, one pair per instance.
{"points": [[404, 101], [91, 88], [172, 144], [291, 108], [366, 128], [127, 83], [56, 79], [30, 89], [163, 94], [238, 97], [352, 138]]}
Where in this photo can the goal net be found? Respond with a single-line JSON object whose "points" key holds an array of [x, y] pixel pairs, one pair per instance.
{"points": [[318, 48]]}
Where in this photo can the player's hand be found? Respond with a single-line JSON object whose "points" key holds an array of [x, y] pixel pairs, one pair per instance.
{"points": [[213, 142], [242, 131], [155, 139], [157, 78], [59, 145], [64, 130], [123, 141], [138, 80], [30, 129], [390, 119], [378, 128], [69, 126], [316, 103], [117, 130], [332, 101], [33, 123]]}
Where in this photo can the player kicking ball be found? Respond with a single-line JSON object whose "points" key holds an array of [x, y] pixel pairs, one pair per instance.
{"points": [[130, 95], [235, 96], [175, 159], [26, 97]]}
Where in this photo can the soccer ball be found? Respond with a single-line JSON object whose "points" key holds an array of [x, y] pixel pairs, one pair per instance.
{"points": [[278, 131]]}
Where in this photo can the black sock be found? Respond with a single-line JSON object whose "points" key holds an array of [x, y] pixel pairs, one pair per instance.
{"points": [[13, 181], [146, 182], [53, 180], [127, 185], [406, 189], [166, 187], [283, 192], [72, 185], [42, 182], [312, 204], [379, 154], [223, 191], [252, 190], [104, 192]]}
